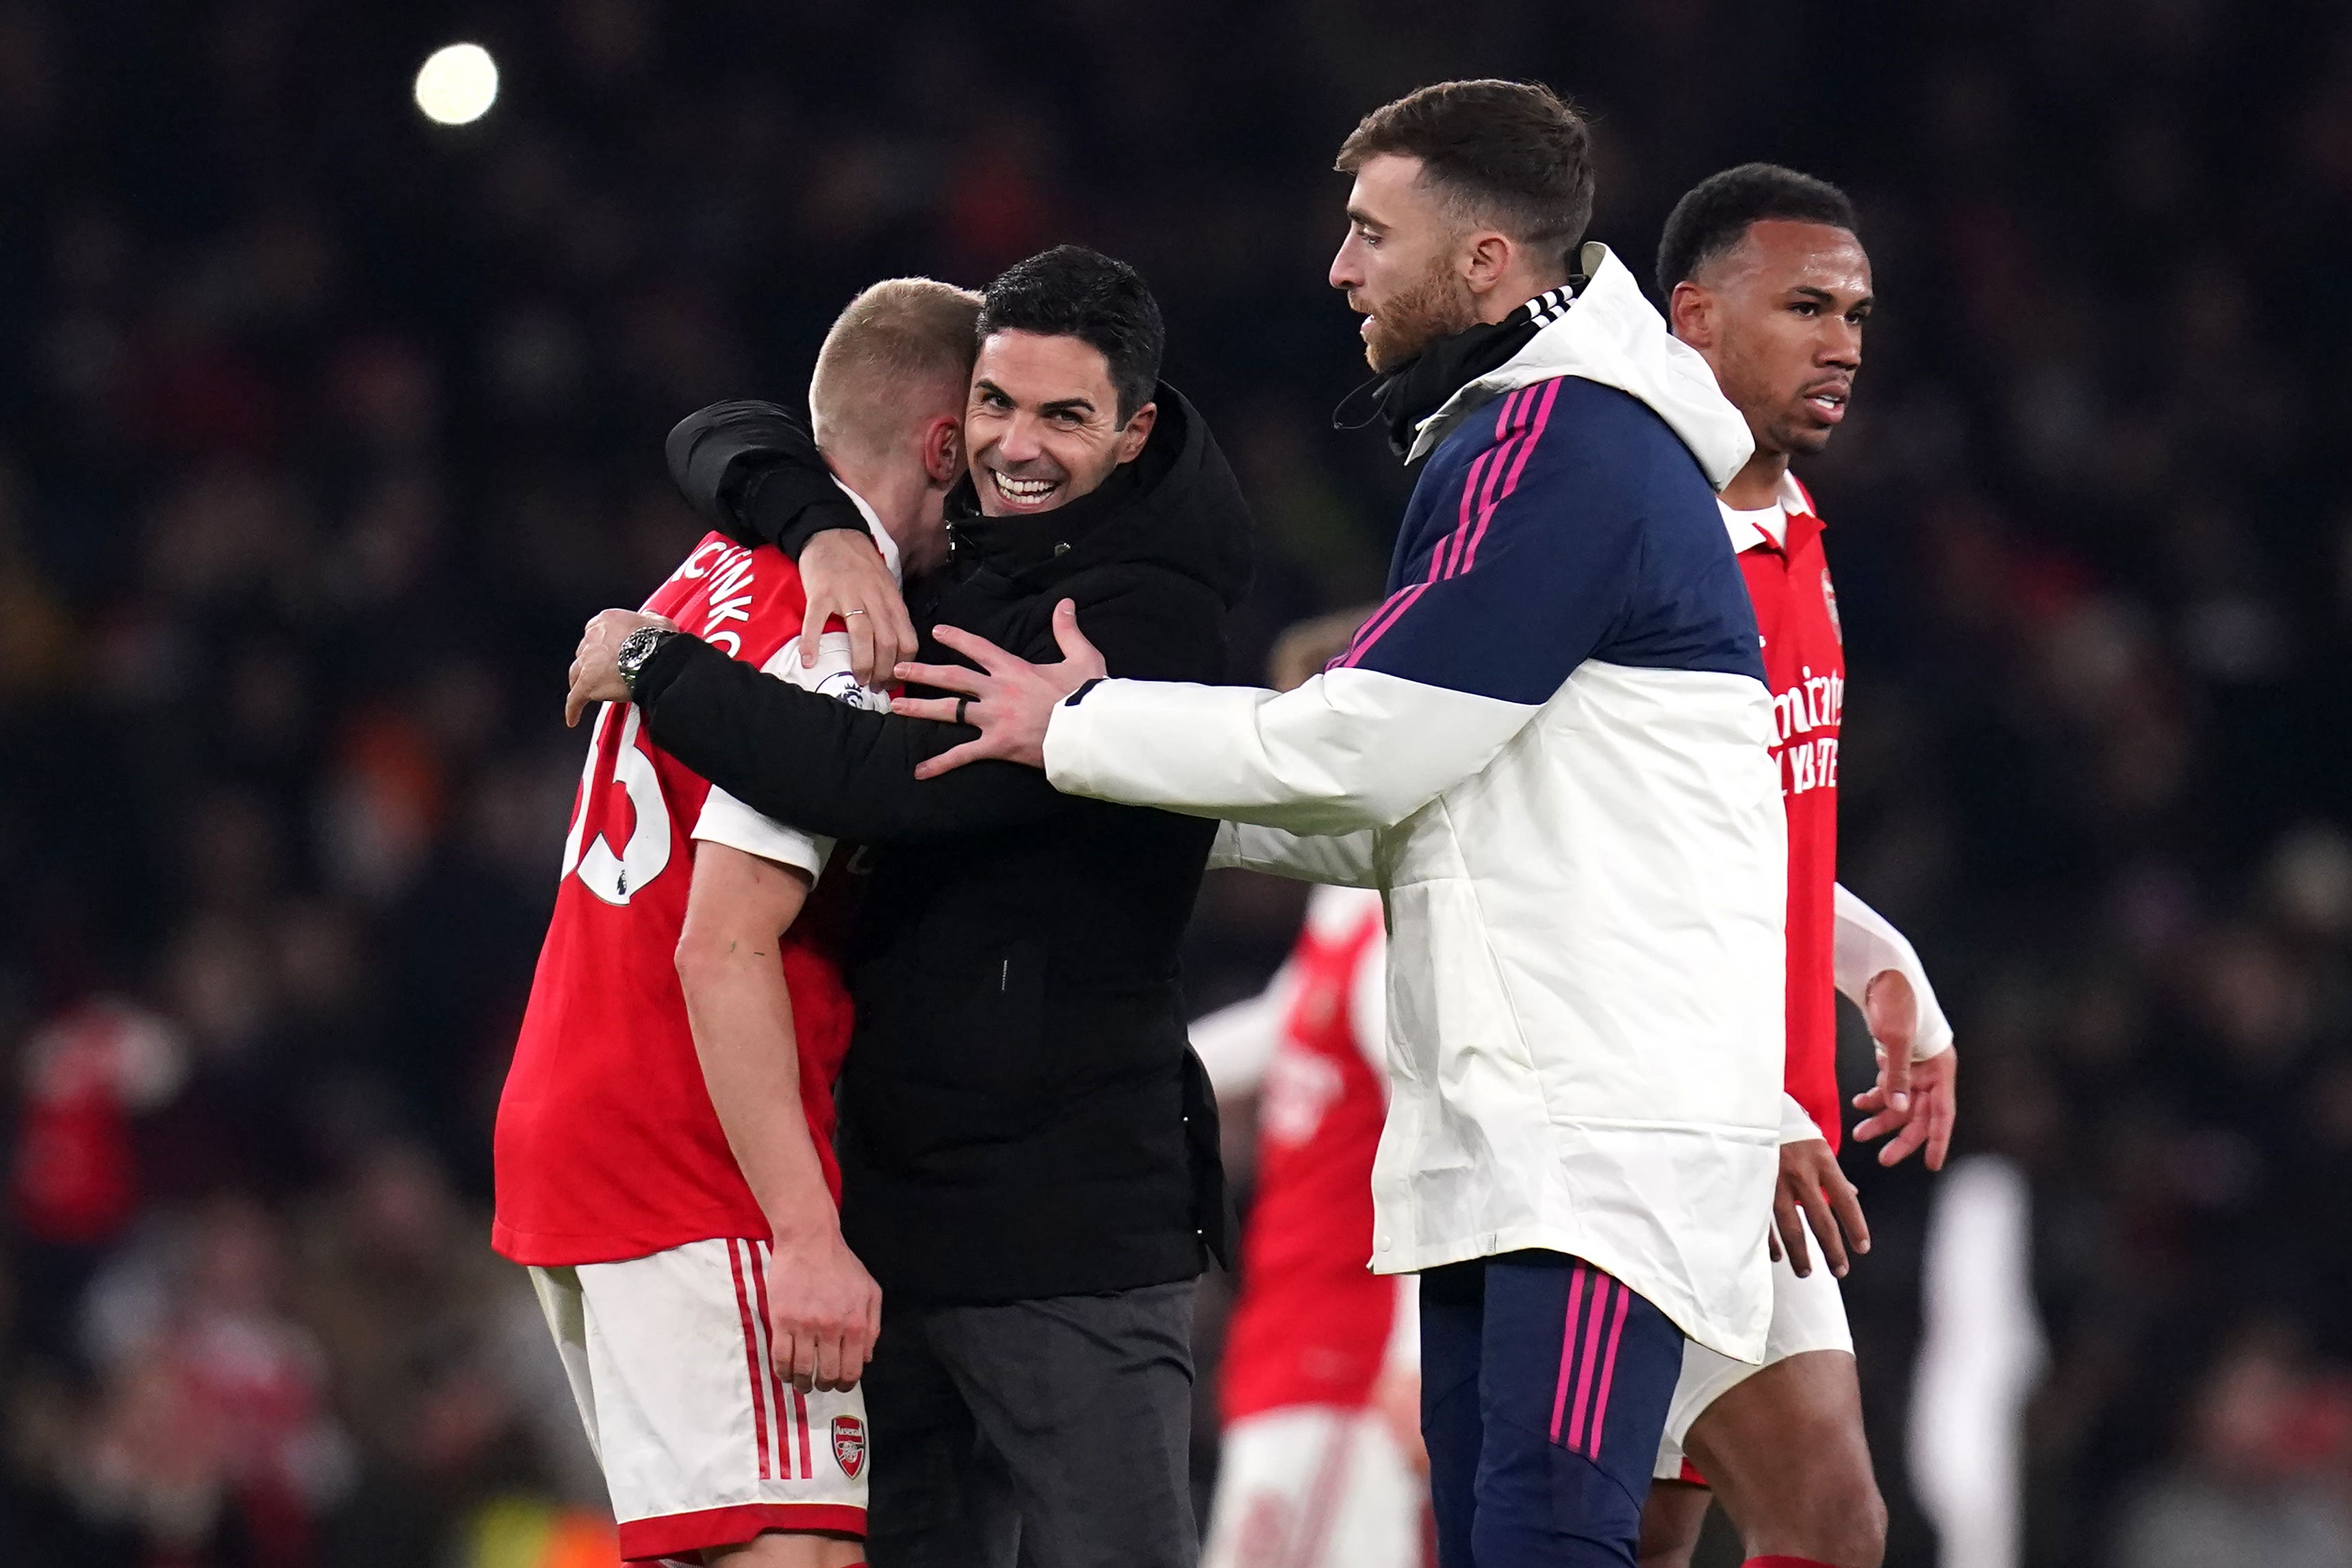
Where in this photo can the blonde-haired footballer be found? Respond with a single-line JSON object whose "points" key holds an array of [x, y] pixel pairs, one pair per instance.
{"points": [[663, 1147]]}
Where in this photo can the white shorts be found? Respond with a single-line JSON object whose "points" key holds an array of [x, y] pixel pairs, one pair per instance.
{"points": [[1316, 1486], [702, 1443], [1808, 1314]]}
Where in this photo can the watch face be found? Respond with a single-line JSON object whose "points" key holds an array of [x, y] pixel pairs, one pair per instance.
{"points": [[636, 648]]}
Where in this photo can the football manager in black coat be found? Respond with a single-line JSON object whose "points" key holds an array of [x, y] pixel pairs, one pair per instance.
{"points": [[1028, 1147]]}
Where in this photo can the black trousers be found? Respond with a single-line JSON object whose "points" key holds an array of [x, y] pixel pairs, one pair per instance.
{"points": [[1050, 1434]]}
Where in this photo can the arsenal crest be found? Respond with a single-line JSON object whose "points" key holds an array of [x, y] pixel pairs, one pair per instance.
{"points": [[1829, 598], [849, 1445]]}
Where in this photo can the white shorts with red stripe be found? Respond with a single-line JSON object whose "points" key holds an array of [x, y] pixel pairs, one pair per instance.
{"points": [[1316, 1486], [701, 1444], [1808, 1314]]}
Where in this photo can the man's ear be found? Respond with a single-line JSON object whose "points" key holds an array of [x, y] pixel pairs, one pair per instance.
{"points": [[1487, 259], [942, 451], [1690, 314], [1138, 431]]}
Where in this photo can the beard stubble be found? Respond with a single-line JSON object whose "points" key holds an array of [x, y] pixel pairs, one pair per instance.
{"points": [[1436, 307]]}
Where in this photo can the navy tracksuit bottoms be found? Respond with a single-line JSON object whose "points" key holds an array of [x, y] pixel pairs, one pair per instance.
{"points": [[1543, 1395]]}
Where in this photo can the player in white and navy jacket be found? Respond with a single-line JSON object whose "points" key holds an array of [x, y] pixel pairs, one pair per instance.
{"points": [[1549, 749]]}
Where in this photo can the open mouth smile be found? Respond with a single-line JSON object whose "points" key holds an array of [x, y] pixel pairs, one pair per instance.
{"points": [[1024, 494]]}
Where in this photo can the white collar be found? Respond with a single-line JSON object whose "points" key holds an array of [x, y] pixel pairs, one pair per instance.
{"points": [[1611, 335], [1771, 521], [882, 540]]}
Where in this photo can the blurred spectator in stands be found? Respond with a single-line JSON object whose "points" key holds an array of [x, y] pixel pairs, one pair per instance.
{"points": [[214, 1428], [2262, 1479]]}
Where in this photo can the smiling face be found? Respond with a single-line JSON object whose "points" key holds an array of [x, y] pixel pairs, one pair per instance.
{"points": [[1043, 423], [1779, 318], [1402, 263]]}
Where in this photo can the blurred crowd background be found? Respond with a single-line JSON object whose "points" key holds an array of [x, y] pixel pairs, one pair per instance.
{"points": [[323, 428]]}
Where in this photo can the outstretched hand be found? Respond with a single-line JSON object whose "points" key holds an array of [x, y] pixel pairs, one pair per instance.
{"points": [[1916, 1101], [1008, 699]]}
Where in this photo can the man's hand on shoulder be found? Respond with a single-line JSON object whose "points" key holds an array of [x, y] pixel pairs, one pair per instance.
{"points": [[596, 662], [1009, 700], [843, 574], [825, 1312]]}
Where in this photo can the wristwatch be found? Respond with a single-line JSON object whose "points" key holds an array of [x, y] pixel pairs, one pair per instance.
{"points": [[636, 648]]}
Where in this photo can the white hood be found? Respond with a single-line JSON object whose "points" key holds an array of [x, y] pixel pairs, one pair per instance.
{"points": [[1613, 336]]}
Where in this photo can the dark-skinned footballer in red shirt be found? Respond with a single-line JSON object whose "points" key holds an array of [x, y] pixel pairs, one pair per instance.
{"points": [[1763, 274]]}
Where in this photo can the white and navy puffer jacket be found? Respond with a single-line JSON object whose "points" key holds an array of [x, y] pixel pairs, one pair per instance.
{"points": [[1548, 747]]}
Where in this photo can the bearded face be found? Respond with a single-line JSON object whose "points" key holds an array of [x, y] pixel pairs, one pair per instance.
{"points": [[1416, 313]]}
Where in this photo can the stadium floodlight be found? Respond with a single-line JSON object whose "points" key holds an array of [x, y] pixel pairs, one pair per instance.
{"points": [[458, 85]]}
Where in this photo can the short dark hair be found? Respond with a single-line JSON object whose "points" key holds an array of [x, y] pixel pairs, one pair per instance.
{"points": [[1715, 215], [1070, 291], [1513, 153]]}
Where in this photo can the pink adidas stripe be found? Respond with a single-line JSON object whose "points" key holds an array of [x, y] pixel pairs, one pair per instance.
{"points": [[1497, 457], [1567, 1349], [1518, 466], [1380, 620], [1492, 476], [1383, 618], [1441, 559], [1608, 1369], [1583, 1405]]}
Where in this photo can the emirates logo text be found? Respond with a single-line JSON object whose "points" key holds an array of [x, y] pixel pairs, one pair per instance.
{"points": [[1815, 703]]}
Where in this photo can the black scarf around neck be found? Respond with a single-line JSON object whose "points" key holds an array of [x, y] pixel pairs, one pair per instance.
{"points": [[1399, 401]]}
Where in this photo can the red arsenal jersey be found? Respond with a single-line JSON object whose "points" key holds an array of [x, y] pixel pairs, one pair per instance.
{"points": [[1311, 1324], [607, 1145], [1804, 665]]}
